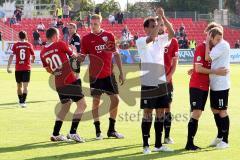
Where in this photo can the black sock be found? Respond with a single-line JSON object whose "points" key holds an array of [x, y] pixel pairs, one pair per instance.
{"points": [[146, 127], [24, 96], [20, 98], [225, 128], [158, 126], [218, 124], [57, 127], [111, 125], [97, 126], [192, 130], [167, 124], [74, 126]]}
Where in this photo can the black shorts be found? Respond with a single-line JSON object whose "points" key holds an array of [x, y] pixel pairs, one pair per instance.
{"points": [[106, 85], [71, 92], [154, 97], [75, 65], [22, 76], [219, 99], [198, 99]]}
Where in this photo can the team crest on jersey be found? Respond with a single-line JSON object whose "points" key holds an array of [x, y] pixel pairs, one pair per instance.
{"points": [[166, 50], [105, 38], [199, 58], [145, 101]]}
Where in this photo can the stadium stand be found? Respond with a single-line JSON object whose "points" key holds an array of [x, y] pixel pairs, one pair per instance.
{"points": [[194, 29], [7, 32]]}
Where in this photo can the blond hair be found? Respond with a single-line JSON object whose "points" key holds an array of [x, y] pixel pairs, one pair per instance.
{"points": [[216, 31], [212, 25], [96, 16], [73, 25]]}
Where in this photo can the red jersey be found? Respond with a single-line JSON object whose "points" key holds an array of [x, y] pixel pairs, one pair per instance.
{"points": [[23, 52], [170, 52], [100, 48], [200, 80], [55, 57]]}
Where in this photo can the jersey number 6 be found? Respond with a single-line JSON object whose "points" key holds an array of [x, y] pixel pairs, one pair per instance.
{"points": [[22, 54]]}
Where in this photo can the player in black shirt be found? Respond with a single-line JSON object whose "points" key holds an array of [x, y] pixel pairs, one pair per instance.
{"points": [[75, 41]]}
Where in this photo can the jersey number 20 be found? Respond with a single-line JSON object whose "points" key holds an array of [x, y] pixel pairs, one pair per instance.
{"points": [[54, 61]]}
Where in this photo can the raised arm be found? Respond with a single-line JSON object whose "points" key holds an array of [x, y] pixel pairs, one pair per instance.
{"points": [[154, 33], [207, 50], [160, 13]]}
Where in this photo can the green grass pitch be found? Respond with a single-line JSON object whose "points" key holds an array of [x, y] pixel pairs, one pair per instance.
{"points": [[24, 133]]}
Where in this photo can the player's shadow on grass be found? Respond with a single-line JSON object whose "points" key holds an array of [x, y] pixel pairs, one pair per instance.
{"points": [[139, 155], [37, 145], [4, 108], [85, 154], [105, 139], [28, 102], [153, 155]]}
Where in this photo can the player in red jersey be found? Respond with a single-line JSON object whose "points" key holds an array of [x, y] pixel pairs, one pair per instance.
{"points": [[170, 63], [24, 53], [54, 57], [199, 86], [100, 46]]}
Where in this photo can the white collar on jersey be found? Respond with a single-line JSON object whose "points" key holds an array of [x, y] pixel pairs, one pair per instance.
{"points": [[22, 41], [48, 44]]}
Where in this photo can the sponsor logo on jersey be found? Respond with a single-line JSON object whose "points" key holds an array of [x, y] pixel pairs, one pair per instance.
{"points": [[105, 38], [100, 48]]}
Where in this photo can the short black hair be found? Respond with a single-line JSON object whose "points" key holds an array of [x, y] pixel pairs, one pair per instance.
{"points": [[147, 21], [22, 35], [51, 32]]}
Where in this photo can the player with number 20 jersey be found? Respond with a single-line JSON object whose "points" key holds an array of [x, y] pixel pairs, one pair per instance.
{"points": [[55, 60]]}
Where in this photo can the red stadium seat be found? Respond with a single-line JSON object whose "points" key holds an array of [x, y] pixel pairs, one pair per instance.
{"points": [[194, 29]]}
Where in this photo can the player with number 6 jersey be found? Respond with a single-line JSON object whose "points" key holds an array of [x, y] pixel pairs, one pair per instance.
{"points": [[55, 60], [23, 51]]}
